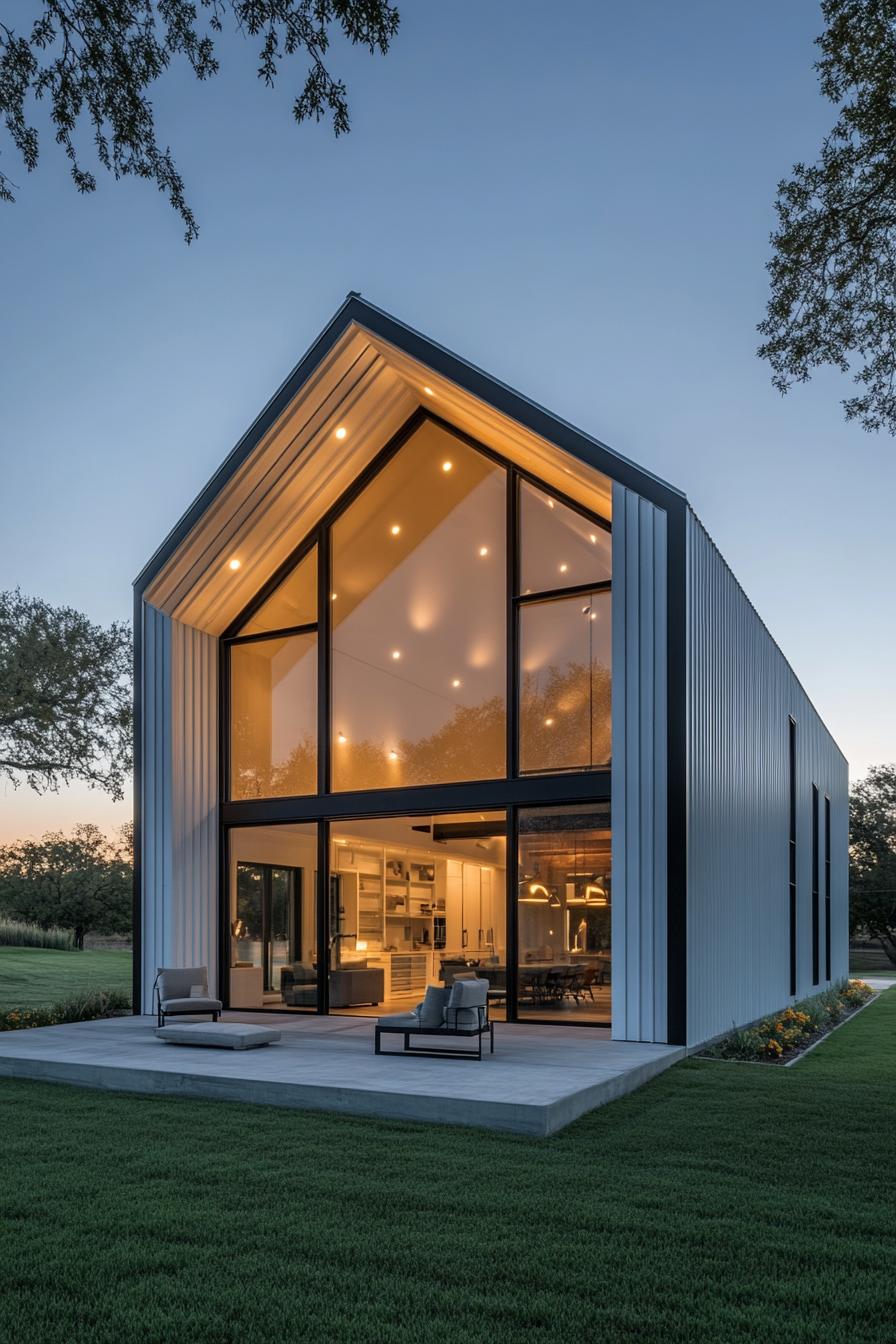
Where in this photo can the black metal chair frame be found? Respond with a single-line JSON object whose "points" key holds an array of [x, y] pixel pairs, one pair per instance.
{"points": [[485, 1027], [215, 1013]]}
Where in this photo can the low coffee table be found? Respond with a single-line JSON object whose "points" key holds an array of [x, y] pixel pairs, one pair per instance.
{"points": [[224, 1035]]}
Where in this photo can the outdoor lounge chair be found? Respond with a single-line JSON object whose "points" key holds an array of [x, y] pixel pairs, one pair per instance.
{"points": [[184, 991], [455, 1012]]}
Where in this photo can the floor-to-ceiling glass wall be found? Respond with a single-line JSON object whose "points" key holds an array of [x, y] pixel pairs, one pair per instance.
{"points": [[564, 901], [414, 901], [273, 916]]}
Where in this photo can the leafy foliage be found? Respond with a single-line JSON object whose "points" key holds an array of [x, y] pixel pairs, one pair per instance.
{"points": [[872, 857], [65, 697], [79, 1008], [96, 60], [786, 1034], [833, 267], [82, 882]]}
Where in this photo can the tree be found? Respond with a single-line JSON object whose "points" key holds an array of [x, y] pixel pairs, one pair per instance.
{"points": [[833, 264], [94, 62], [872, 857], [65, 697], [82, 882]]}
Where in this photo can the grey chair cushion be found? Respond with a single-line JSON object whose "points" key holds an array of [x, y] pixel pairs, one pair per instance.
{"points": [[224, 1035], [191, 1005], [467, 997], [177, 982], [431, 1012], [409, 1020]]}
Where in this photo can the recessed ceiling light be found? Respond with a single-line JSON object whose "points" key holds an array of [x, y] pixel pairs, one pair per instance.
{"points": [[341, 737], [456, 682], [548, 723], [395, 529], [396, 654], [446, 466], [428, 391], [234, 564], [333, 597], [592, 537], [593, 616], [393, 755], [550, 503], [341, 432], [564, 568], [483, 550]]}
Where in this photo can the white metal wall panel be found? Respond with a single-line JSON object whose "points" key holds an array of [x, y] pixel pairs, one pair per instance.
{"points": [[639, 816], [741, 692], [179, 821]]}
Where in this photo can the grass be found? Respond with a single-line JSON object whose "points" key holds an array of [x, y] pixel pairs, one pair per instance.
{"points": [[33, 977], [720, 1203], [13, 933]]}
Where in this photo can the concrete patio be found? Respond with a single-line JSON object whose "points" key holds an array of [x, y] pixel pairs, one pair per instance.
{"points": [[539, 1079]]}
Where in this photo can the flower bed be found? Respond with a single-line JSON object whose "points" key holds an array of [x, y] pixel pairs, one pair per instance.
{"points": [[79, 1008], [780, 1038]]}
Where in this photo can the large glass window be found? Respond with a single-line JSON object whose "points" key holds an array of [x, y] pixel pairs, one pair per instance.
{"points": [[416, 901], [293, 603], [565, 683], [418, 608], [559, 548], [564, 906], [273, 717], [273, 917]]}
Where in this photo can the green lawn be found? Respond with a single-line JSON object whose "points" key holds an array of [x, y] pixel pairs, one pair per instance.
{"points": [[36, 977], [722, 1202]]}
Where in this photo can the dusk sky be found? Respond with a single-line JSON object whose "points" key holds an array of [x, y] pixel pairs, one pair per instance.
{"points": [[576, 197]]}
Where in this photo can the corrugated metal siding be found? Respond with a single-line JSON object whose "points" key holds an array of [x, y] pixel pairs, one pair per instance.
{"points": [[640, 901], [179, 824], [741, 692]]}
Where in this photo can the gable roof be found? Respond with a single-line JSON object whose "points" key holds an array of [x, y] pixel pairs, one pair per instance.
{"points": [[368, 366]]}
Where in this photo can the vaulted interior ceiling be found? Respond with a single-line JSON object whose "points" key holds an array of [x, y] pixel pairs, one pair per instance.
{"points": [[299, 468]]}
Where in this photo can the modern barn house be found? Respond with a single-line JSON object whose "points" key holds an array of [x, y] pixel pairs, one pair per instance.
{"points": [[427, 678]]}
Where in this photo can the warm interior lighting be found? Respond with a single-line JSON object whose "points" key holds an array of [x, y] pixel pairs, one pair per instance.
{"points": [[341, 432], [393, 755], [483, 550], [548, 723], [550, 503], [428, 391], [564, 568], [395, 529], [592, 537], [396, 654], [537, 894], [456, 682], [360, 944], [446, 466], [234, 564], [585, 610], [333, 597], [341, 737]]}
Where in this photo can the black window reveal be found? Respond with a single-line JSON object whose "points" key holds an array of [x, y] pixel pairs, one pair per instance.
{"points": [[792, 848], [827, 887], [816, 912]]}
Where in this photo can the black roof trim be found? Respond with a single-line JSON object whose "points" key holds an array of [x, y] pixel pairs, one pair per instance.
{"points": [[448, 365]]}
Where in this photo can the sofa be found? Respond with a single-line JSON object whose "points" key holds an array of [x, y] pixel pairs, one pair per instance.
{"points": [[349, 985]]}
